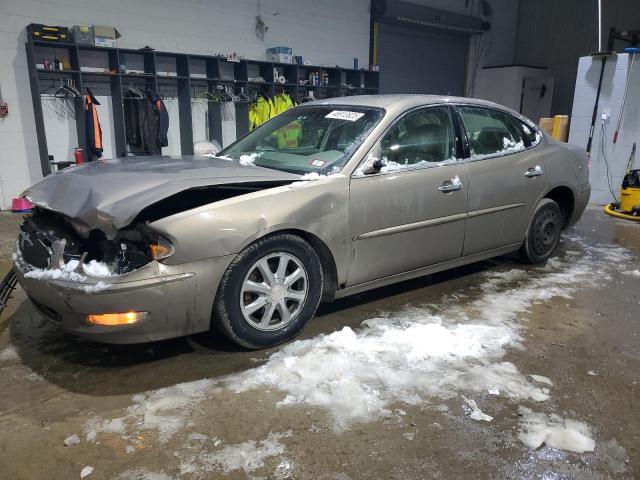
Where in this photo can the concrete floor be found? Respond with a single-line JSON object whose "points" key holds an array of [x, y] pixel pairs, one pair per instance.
{"points": [[586, 342]]}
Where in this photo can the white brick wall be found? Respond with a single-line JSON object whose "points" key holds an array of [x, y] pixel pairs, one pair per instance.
{"points": [[610, 100], [323, 31]]}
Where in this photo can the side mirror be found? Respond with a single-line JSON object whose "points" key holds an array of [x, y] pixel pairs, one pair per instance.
{"points": [[373, 163], [374, 167]]}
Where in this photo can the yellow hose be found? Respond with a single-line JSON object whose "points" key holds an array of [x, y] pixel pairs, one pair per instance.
{"points": [[609, 210]]}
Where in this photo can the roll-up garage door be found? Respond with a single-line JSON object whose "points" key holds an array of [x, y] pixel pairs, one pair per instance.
{"points": [[412, 61]]}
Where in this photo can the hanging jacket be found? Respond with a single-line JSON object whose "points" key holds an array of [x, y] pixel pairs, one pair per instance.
{"points": [[163, 117], [287, 136], [92, 125], [260, 111], [142, 126], [281, 103]]}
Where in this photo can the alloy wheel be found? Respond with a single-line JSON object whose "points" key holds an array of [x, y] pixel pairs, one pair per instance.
{"points": [[273, 291]]}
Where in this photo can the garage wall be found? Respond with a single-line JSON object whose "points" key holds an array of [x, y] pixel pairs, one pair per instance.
{"points": [[323, 31], [608, 160], [556, 34]]}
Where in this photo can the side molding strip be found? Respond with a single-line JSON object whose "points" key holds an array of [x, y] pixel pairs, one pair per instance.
{"points": [[486, 211], [435, 221], [411, 226]]}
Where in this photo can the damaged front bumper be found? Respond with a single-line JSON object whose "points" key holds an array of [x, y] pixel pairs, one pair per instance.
{"points": [[178, 299]]}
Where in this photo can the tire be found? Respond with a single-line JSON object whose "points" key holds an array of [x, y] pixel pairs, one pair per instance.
{"points": [[543, 234], [246, 285]]}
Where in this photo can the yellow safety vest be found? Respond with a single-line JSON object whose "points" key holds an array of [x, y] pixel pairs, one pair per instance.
{"points": [[259, 112]]}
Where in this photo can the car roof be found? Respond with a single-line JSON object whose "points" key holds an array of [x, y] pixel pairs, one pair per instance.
{"points": [[406, 101]]}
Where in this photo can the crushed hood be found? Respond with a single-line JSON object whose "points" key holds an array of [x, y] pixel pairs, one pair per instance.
{"points": [[109, 195]]}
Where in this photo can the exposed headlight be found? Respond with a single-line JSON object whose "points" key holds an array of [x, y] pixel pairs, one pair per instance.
{"points": [[162, 248]]}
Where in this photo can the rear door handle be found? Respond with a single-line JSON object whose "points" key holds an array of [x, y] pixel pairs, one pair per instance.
{"points": [[534, 172], [452, 185]]}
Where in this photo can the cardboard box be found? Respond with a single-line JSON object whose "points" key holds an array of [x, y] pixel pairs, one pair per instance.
{"points": [[287, 50], [546, 125], [105, 36], [280, 57]]}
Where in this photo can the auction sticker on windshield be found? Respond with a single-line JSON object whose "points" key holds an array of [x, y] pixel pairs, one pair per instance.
{"points": [[344, 115]]}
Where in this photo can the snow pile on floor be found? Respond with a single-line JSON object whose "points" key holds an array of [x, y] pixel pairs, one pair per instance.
{"points": [[554, 431], [417, 354], [142, 474], [163, 411], [71, 440], [357, 376], [632, 273], [247, 456], [542, 379], [473, 411], [97, 425], [86, 471], [443, 350], [8, 354]]}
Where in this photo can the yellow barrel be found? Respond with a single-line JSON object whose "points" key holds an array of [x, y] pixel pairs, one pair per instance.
{"points": [[560, 128]]}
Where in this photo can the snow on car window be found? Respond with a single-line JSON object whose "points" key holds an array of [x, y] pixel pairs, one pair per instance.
{"points": [[391, 166]]}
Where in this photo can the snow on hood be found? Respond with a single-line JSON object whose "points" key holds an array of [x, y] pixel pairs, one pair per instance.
{"points": [[108, 195]]}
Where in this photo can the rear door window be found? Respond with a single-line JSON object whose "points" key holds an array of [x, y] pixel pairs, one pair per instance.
{"points": [[490, 132]]}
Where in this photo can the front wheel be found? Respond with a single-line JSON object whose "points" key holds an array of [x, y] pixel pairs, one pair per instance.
{"points": [[544, 232], [269, 292]]}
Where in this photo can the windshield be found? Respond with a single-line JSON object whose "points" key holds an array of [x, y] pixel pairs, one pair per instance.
{"points": [[305, 139]]}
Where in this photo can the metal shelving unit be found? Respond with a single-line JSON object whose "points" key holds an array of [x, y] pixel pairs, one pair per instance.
{"points": [[217, 71]]}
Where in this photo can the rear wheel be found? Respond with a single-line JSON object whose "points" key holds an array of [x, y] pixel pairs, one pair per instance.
{"points": [[269, 292], [544, 232]]}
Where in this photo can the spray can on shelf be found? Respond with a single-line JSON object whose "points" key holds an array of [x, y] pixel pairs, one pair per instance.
{"points": [[79, 156]]}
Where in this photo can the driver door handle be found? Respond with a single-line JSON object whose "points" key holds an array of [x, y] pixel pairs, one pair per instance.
{"points": [[452, 185], [533, 172]]}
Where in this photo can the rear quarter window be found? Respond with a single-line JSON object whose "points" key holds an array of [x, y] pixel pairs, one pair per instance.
{"points": [[531, 136]]}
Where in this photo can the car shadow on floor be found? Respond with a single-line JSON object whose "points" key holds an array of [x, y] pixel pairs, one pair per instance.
{"points": [[98, 369]]}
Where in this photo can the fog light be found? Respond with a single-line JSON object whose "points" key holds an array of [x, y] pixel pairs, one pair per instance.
{"points": [[112, 319]]}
